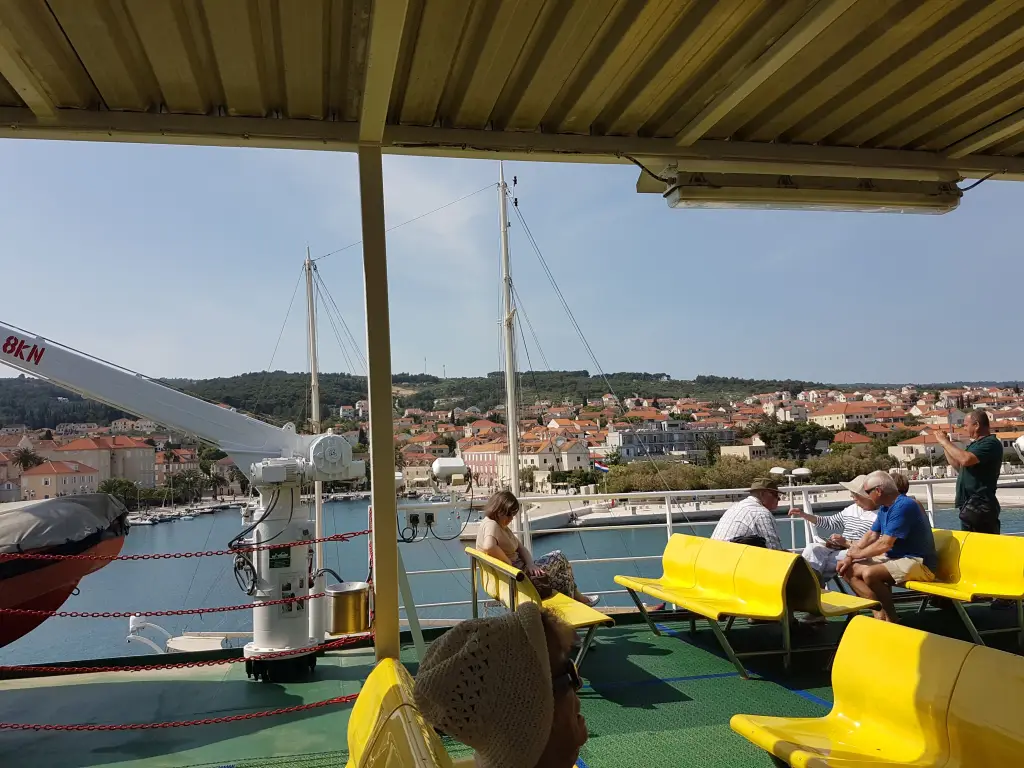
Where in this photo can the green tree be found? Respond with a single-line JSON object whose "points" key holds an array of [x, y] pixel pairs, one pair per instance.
{"points": [[788, 439], [48, 435], [121, 489], [189, 483], [614, 458], [526, 475], [911, 420], [934, 460], [216, 482], [857, 427], [238, 476], [399, 457], [839, 467], [712, 448], [26, 458]]}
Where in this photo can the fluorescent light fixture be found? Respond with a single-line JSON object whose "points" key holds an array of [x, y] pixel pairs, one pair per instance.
{"points": [[811, 193]]}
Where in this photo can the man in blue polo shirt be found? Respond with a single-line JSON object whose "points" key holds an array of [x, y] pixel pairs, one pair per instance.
{"points": [[898, 548]]}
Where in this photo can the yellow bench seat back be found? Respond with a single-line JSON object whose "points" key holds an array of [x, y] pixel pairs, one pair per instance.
{"points": [[679, 560], [986, 714], [892, 687], [993, 562], [716, 566], [385, 730], [761, 579]]}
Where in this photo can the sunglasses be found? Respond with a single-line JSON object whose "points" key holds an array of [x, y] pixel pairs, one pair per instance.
{"points": [[570, 678]]}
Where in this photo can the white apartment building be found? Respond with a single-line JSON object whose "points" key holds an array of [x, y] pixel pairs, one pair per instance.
{"points": [[662, 438]]}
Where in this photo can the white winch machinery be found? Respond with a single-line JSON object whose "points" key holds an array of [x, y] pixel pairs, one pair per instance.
{"points": [[280, 463]]}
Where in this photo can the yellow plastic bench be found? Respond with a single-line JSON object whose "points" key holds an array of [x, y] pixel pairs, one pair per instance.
{"points": [[720, 580], [385, 730], [937, 702], [509, 586], [976, 566]]}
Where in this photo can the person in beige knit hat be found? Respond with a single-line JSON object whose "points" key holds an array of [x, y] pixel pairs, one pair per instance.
{"points": [[506, 686]]}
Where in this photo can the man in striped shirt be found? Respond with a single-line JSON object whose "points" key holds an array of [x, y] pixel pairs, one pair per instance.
{"points": [[750, 521], [838, 530]]}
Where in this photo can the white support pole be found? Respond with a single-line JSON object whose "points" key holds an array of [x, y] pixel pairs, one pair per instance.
{"points": [[509, 336], [931, 503], [410, 610], [314, 375], [382, 441], [317, 610], [809, 534], [668, 517]]}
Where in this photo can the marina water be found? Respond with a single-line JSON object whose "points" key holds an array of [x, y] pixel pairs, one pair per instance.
{"points": [[151, 585]]}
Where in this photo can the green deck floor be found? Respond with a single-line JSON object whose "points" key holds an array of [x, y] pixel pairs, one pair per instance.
{"points": [[649, 700]]}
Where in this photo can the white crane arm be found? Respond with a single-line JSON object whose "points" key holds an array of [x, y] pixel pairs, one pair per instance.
{"points": [[245, 439]]}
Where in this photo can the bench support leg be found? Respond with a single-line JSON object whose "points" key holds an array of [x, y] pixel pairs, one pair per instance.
{"points": [[967, 622], [1020, 623], [724, 642], [728, 624], [587, 640], [693, 626], [472, 585], [787, 642], [643, 612], [924, 605]]}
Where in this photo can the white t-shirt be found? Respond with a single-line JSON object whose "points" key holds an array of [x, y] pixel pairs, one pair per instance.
{"points": [[505, 539]]}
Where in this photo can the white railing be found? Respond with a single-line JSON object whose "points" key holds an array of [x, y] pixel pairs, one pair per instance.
{"points": [[674, 503]]}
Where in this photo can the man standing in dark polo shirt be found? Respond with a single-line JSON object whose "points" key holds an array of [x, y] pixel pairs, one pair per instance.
{"points": [[978, 467]]}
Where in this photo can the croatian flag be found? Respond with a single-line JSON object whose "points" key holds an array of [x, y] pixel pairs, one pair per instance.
{"points": [[600, 467]]}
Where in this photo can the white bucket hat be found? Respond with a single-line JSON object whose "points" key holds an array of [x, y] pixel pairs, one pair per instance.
{"points": [[487, 683]]}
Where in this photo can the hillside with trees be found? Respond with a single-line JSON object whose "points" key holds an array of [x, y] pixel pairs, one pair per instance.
{"points": [[39, 404], [279, 396]]}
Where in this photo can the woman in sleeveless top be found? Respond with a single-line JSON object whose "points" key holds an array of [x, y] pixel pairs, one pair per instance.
{"points": [[496, 539]]}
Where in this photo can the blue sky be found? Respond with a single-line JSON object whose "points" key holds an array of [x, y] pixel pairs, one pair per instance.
{"points": [[180, 261]]}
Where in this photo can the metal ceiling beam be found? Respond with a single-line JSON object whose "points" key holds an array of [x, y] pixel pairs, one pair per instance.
{"points": [[810, 25], [199, 130], [16, 70], [1011, 125], [723, 155], [386, 24], [705, 155]]}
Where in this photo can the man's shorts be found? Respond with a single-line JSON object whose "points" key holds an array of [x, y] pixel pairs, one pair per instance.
{"points": [[904, 569]]}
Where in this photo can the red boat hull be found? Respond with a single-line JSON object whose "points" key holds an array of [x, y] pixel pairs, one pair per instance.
{"points": [[46, 588]]}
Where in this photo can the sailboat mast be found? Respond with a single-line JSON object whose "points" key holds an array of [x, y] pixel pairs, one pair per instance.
{"points": [[511, 402], [318, 503]]}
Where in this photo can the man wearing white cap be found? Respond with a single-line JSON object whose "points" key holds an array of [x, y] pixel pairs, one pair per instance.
{"points": [[506, 686], [839, 530]]}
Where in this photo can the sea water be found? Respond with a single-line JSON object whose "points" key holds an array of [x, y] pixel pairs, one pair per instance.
{"points": [[151, 585]]}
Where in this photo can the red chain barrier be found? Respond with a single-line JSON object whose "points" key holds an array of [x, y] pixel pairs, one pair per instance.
{"points": [[129, 614], [178, 723], [180, 555], [334, 644]]}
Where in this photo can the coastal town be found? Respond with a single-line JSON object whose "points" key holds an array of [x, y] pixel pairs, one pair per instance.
{"points": [[566, 437], [560, 444]]}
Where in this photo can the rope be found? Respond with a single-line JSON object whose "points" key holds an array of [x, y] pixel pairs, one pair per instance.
{"points": [[129, 614], [182, 664], [181, 555], [178, 723]]}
